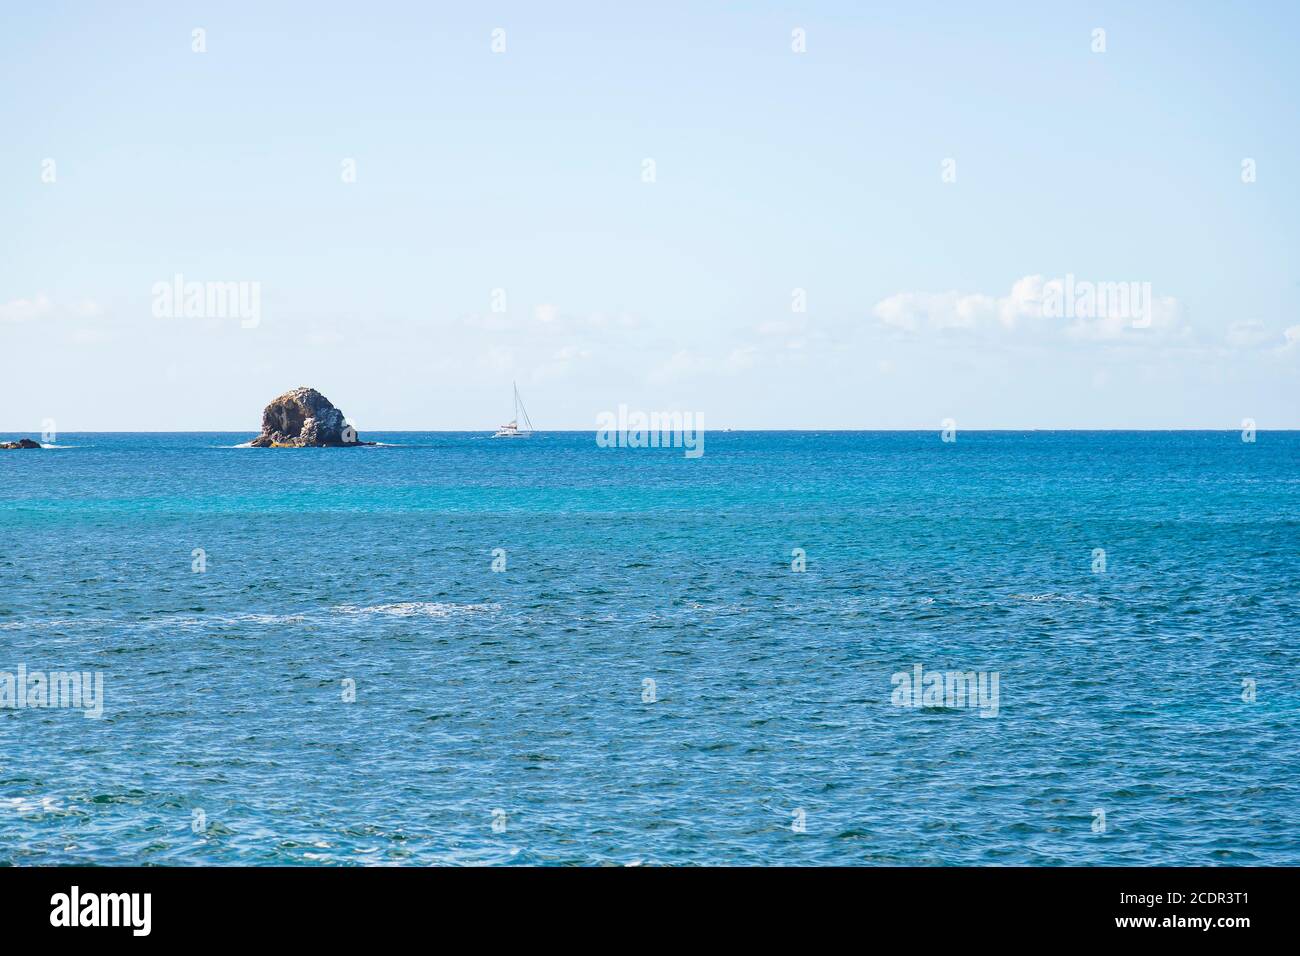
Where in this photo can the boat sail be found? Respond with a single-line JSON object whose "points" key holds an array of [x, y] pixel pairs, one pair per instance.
{"points": [[511, 429]]}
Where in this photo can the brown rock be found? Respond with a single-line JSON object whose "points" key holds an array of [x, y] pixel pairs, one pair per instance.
{"points": [[304, 418]]}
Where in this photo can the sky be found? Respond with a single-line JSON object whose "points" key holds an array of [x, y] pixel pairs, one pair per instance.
{"points": [[772, 215]]}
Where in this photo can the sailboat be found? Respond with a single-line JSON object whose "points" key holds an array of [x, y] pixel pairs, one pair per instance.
{"points": [[511, 429]]}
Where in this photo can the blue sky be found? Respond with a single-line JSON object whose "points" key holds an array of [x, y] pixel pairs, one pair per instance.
{"points": [[775, 171]]}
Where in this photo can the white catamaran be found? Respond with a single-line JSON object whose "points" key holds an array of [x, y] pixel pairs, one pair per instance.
{"points": [[511, 429]]}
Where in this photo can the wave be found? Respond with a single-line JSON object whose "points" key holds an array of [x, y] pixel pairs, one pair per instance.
{"points": [[1062, 598], [247, 618], [56, 622], [24, 806], [397, 609], [373, 444], [418, 608]]}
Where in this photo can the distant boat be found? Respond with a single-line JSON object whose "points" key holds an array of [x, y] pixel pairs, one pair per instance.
{"points": [[511, 429]]}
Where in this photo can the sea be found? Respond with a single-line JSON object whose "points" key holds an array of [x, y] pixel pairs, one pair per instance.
{"points": [[445, 649]]}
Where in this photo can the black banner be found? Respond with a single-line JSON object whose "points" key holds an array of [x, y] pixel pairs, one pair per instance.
{"points": [[1222, 907]]}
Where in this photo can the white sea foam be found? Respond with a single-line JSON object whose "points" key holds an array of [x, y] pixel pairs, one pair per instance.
{"points": [[57, 622], [418, 608], [204, 620], [373, 444], [263, 619], [26, 805], [186, 621], [1062, 598], [176, 620]]}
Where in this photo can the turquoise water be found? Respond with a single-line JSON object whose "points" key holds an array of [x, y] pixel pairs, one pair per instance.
{"points": [[522, 691]]}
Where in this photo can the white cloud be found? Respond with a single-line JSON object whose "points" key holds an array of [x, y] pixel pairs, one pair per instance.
{"points": [[1079, 309], [915, 311], [1247, 334], [563, 362], [546, 342], [41, 307], [739, 359], [1162, 319], [497, 359], [25, 310], [681, 363], [551, 321]]}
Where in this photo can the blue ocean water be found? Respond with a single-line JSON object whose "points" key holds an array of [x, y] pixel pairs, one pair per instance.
{"points": [[506, 717]]}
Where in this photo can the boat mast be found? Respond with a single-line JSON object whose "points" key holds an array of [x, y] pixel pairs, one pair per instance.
{"points": [[519, 406]]}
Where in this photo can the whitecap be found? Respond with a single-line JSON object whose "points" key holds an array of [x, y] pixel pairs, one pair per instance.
{"points": [[58, 622], [1063, 598], [26, 805], [369, 444], [420, 608], [203, 620], [261, 619]]}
